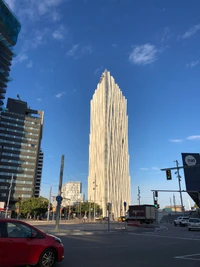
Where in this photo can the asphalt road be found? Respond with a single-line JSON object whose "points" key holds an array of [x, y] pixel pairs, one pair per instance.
{"points": [[141, 248]]}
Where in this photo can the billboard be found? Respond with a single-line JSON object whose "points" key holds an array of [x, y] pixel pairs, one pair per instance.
{"points": [[192, 174]]}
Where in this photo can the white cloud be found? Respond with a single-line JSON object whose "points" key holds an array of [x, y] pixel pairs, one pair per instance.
{"points": [[34, 10], [30, 64], [39, 99], [98, 70], [193, 137], [60, 94], [155, 168], [87, 49], [144, 169], [192, 64], [192, 31], [19, 59], [59, 34], [143, 54], [175, 140], [166, 35], [73, 50]]}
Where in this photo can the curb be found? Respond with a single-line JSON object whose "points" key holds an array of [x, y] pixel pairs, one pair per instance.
{"points": [[81, 233]]}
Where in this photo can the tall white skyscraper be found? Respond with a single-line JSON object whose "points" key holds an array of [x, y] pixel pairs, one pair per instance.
{"points": [[109, 178]]}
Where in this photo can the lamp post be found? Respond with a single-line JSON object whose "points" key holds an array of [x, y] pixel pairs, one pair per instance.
{"points": [[8, 201]]}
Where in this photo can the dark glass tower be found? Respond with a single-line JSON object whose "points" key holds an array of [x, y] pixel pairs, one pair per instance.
{"points": [[20, 151], [9, 30]]}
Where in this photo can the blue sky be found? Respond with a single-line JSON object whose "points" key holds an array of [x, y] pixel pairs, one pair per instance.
{"points": [[152, 50]]}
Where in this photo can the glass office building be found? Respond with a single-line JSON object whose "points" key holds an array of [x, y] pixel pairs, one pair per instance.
{"points": [[9, 30]]}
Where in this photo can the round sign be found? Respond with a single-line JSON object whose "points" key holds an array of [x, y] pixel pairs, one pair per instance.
{"points": [[190, 160]]}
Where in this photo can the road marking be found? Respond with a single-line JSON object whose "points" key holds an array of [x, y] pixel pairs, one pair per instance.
{"points": [[100, 247], [163, 236], [188, 257]]}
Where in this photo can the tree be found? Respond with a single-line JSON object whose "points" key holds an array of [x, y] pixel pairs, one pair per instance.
{"points": [[34, 206], [86, 207]]}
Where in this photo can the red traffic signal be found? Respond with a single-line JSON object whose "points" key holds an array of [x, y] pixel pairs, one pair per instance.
{"points": [[168, 175]]}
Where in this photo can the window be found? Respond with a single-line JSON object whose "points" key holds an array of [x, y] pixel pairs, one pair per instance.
{"points": [[19, 149], [18, 230]]}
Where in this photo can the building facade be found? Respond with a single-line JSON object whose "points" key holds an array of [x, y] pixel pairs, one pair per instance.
{"points": [[9, 30], [109, 179], [72, 193], [39, 174], [21, 131]]}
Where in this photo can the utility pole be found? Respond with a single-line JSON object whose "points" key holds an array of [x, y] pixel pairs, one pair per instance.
{"points": [[49, 206], [179, 182], [170, 199], [174, 201], [95, 185], [8, 201], [139, 195], [90, 209], [59, 198]]}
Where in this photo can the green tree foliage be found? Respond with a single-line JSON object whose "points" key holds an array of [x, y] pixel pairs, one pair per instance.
{"points": [[86, 206], [34, 206]]}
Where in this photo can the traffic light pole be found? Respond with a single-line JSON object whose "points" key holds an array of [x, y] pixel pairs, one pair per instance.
{"points": [[179, 183], [59, 194]]}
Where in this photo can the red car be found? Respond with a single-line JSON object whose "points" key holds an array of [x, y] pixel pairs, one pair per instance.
{"points": [[23, 244]]}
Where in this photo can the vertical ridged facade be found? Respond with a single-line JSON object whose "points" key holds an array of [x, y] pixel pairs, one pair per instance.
{"points": [[108, 147]]}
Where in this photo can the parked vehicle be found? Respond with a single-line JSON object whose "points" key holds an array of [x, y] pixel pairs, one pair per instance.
{"points": [[193, 223], [181, 221], [23, 244], [141, 213], [122, 219]]}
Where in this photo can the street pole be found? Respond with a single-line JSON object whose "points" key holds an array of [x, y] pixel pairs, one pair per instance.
{"points": [[139, 195], [49, 206], [8, 201], [174, 200], [90, 210], [95, 185], [179, 182], [59, 193]]}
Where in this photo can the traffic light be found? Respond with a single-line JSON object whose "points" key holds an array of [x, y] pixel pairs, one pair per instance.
{"points": [[168, 175], [155, 203], [158, 206], [156, 193]]}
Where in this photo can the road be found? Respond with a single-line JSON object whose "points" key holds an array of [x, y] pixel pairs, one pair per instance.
{"points": [[137, 247]]}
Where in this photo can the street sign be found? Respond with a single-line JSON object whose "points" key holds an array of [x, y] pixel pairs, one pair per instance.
{"points": [[59, 198], [125, 204]]}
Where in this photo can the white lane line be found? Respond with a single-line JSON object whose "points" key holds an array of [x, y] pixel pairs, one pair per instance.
{"points": [[170, 237], [104, 247], [182, 258], [190, 255]]}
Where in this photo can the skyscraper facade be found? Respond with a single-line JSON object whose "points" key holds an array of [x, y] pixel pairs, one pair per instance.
{"points": [[109, 178], [9, 30], [20, 153], [39, 173]]}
